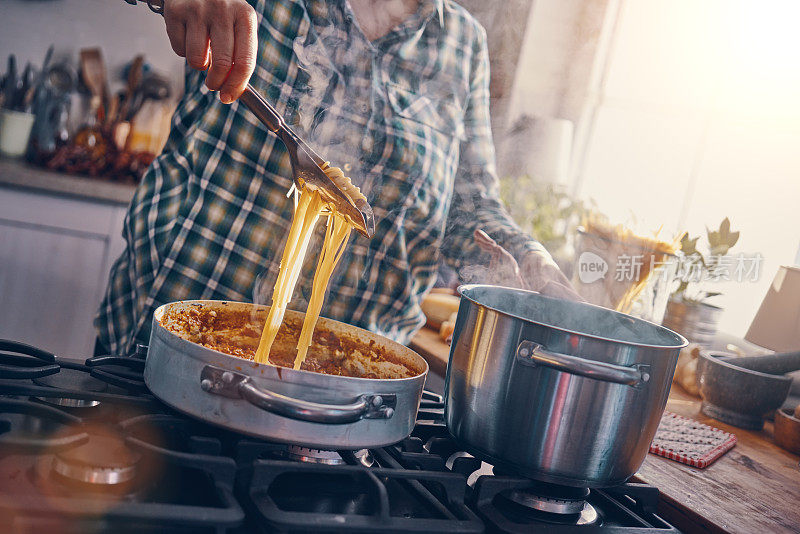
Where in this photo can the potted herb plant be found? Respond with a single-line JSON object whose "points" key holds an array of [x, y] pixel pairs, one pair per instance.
{"points": [[688, 309], [547, 212]]}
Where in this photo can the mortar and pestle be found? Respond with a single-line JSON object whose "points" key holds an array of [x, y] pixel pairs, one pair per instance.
{"points": [[741, 391]]}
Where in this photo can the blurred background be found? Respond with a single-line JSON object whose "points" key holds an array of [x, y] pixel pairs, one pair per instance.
{"points": [[635, 120]]}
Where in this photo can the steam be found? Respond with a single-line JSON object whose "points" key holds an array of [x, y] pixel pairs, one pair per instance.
{"points": [[327, 115]]}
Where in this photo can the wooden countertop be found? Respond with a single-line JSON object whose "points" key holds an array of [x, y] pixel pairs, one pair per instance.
{"points": [[754, 488], [18, 174]]}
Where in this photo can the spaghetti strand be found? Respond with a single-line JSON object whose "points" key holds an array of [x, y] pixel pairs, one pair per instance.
{"points": [[308, 208]]}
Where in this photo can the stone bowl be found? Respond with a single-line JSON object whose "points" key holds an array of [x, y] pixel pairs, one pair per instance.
{"points": [[737, 396]]}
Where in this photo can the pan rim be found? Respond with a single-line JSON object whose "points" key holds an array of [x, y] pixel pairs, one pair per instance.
{"points": [[298, 376]]}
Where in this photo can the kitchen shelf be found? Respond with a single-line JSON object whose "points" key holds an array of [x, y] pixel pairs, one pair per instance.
{"points": [[18, 174]]}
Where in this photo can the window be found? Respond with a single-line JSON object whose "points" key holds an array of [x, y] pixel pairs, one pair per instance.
{"points": [[698, 118]]}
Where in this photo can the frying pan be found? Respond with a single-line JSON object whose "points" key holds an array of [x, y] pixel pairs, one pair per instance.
{"points": [[282, 404]]}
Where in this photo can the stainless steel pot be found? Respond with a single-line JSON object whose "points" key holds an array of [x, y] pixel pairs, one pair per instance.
{"points": [[280, 404], [563, 392]]}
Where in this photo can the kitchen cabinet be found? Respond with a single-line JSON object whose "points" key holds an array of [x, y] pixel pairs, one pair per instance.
{"points": [[56, 248]]}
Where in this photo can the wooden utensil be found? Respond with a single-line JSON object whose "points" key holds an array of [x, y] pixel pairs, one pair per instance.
{"points": [[40, 79], [93, 72], [113, 110], [10, 89], [134, 81], [26, 82]]}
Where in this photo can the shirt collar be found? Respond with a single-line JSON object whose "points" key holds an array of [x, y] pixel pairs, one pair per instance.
{"points": [[429, 7], [440, 11]]}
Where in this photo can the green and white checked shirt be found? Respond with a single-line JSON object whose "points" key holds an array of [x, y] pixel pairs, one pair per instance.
{"points": [[406, 116]]}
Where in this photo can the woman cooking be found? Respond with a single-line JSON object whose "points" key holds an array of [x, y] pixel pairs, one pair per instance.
{"points": [[393, 91]]}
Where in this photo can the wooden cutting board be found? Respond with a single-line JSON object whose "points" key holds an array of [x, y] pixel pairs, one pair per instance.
{"points": [[431, 347]]}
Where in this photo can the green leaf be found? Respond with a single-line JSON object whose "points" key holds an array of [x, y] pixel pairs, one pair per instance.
{"points": [[723, 239], [725, 226], [689, 245], [733, 238], [713, 238]]}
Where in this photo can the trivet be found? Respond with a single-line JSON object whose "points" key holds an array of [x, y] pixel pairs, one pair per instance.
{"points": [[687, 441]]}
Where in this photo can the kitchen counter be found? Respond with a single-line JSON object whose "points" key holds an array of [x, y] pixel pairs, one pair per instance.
{"points": [[755, 487], [21, 175], [59, 236]]}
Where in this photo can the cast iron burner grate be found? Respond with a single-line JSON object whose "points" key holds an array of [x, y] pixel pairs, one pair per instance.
{"points": [[303, 497], [628, 508], [29, 371], [189, 476], [53, 479]]}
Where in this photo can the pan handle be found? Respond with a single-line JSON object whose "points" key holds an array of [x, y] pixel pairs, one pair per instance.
{"points": [[219, 381], [530, 353]]}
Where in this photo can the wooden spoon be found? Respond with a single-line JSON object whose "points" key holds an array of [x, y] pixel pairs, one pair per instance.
{"points": [[93, 71]]}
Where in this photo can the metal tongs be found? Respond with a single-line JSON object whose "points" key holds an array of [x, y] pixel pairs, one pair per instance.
{"points": [[307, 165]]}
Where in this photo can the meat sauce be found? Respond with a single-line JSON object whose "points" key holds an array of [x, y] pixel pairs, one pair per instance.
{"points": [[236, 331]]}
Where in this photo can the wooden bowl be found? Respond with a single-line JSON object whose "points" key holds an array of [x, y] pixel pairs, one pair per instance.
{"points": [[787, 430]]}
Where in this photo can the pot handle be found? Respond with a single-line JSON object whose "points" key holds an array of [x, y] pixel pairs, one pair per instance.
{"points": [[530, 353], [219, 381]]}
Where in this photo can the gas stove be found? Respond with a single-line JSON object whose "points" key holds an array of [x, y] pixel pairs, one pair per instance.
{"points": [[84, 447]]}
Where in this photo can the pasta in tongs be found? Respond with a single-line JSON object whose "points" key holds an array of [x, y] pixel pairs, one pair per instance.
{"points": [[309, 207]]}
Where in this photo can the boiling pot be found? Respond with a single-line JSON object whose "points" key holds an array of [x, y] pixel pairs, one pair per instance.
{"points": [[281, 404], [563, 392]]}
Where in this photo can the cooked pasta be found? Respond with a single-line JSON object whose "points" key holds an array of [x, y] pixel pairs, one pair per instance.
{"points": [[336, 237], [343, 182], [308, 209]]}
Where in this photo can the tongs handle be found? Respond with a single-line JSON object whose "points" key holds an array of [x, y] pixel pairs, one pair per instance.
{"points": [[262, 109]]}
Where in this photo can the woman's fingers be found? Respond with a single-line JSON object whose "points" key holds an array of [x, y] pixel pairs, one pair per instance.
{"points": [[556, 290], [218, 35], [244, 54], [197, 43], [221, 50], [176, 31]]}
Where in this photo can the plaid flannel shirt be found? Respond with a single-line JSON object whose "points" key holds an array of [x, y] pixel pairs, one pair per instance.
{"points": [[406, 116]]}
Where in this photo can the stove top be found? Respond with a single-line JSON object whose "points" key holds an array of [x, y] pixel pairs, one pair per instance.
{"points": [[84, 447]]}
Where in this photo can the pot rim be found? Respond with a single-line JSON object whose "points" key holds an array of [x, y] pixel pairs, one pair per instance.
{"points": [[683, 341], [299, 376]]}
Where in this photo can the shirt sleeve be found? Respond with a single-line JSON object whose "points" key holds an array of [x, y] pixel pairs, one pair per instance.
{"points": [[476, 200]]}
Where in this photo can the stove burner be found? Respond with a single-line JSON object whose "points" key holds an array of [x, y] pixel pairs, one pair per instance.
{"points": [[555, 511], [319, 456], [104, 460], [550, 498], [69, 403], [71, 379]]}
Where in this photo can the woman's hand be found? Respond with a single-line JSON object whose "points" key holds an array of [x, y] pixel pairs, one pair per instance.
{"points": [[542, 274], [218, 35], [503, 268], [537, 271]]}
